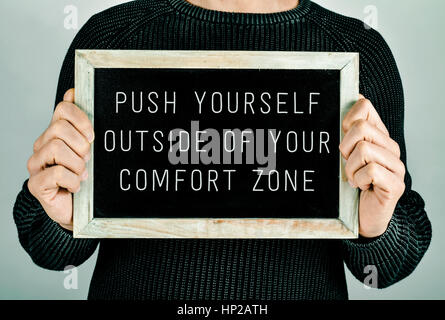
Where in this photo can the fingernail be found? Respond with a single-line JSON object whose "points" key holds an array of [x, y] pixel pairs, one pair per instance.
{"points": [[84, 175], [90, 137], [87, 157], [351, 184]]}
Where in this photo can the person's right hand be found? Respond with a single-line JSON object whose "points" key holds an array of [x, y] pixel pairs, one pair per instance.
{"points": [[58, 164]]}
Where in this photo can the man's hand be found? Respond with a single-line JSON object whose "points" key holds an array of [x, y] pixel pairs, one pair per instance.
{"points": [[58, 164], [372, 164]]}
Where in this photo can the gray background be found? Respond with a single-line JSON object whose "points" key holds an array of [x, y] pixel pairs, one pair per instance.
{"points": [[34, 41]]}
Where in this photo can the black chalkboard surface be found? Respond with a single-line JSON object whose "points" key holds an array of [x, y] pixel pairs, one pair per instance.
{"points": [[304, 183], [216, 144]]}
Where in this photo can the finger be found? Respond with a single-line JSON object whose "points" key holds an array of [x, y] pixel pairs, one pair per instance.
{"points": [[63, 130], [69, 96], [55, 177], [379, 178], [363, 130], [71, 113], [363, 110], [67, 226], [366, 152], [56, 152]]}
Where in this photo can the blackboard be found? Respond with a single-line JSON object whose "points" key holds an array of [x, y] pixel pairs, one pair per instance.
{"points": [[205, 148]]}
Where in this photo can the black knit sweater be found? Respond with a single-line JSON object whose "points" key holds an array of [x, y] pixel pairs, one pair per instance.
{"points": [[223, 268]]}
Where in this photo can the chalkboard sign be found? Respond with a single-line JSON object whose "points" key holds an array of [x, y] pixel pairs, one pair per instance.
{"points": [[216, 144]]}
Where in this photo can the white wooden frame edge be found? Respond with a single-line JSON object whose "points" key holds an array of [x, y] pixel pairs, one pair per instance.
{"points": [[86, 226]]}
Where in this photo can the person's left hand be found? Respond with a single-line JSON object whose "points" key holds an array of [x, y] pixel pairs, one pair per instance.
{"points": [[372, 164]]}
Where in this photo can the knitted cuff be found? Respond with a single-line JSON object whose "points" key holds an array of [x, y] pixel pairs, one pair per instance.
{"points": [[49, 245], [398, 250]]}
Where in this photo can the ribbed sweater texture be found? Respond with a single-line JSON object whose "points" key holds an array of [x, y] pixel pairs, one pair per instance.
{"points": [[217, 269]]}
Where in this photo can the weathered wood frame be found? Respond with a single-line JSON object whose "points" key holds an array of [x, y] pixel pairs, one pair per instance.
{"points": [[86, 226]]}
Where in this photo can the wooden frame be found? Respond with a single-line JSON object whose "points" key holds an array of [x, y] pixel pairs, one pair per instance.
{"points": [[86, 226]]}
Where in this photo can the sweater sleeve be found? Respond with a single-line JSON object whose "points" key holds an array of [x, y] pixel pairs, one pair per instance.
{"points": [[398, 251], [48, 244]]}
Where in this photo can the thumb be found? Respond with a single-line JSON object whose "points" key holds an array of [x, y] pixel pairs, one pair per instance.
{"points": [[69, 96]]}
